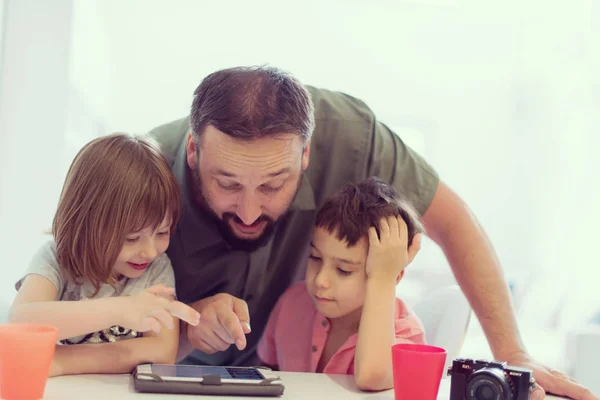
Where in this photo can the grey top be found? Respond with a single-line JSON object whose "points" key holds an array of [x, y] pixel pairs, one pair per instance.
{"points": [[348, 144], [44, 263]]}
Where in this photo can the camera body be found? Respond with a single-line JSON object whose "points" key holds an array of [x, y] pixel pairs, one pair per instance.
{"points": [[488, 380]]}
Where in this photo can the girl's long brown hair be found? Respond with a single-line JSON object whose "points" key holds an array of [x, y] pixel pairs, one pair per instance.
{"points": [[116, 185]]}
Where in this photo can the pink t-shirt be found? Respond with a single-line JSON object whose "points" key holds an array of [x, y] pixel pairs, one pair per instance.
{"points": [[296, 335]]}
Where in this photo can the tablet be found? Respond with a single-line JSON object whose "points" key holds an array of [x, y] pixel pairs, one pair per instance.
{"points": [[204, 379]]}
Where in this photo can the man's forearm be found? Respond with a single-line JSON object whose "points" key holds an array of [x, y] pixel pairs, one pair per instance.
{"points": [[480, 276], [476, 268]]}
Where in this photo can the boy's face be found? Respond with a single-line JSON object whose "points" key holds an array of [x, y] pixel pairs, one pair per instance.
{"points": [[335, 275]]}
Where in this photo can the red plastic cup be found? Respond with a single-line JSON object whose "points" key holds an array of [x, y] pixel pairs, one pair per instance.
{"points": [[26, 352], [417, 371]]}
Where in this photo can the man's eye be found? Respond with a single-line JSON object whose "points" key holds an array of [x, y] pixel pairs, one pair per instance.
{"points": [[271, 189], [231, 186]]}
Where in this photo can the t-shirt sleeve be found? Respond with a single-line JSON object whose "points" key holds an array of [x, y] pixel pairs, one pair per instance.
{"points": [[161, 272], [266, 349], [170, 135], [45, 263], [395, 162], [350, 144], [408, 327]]}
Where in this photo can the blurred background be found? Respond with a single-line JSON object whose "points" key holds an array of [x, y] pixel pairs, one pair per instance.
{"points": [[500, 97]]}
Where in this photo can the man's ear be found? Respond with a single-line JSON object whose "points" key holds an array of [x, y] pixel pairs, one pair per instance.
{"points": [[399, 278], [190, 150], [306, 156]]}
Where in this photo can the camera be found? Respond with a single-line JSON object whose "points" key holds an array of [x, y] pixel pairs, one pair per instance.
{"points": [[488, 380]]}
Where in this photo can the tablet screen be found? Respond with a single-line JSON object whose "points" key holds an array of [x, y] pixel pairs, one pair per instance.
{"points": [[197, 371]]}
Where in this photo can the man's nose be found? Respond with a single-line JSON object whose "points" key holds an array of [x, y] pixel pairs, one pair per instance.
{"points": [[249, 208]]}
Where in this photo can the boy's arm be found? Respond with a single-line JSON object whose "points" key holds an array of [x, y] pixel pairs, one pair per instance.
{"points": [[119, 357], [35, 303], [387, 257], [376, 335]]}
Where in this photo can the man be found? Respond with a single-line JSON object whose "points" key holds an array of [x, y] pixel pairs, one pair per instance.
{"points": [[255, 160]]}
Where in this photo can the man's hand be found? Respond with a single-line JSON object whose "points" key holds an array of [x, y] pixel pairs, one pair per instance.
{"points": [[551, 381], [389, 253], [225, 321]]}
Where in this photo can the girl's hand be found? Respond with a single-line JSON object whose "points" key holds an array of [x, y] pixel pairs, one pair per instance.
{"points": [[154, 307]]}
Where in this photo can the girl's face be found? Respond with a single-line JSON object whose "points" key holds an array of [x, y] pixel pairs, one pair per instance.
{"points": [[140, 249]]}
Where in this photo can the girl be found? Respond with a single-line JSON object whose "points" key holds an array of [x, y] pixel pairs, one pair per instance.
{"points": [[105, 276]]}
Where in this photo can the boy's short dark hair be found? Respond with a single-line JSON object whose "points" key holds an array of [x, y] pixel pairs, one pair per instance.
{"points": [[356, 207]]}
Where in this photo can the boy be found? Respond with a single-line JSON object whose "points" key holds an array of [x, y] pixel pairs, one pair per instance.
{"points": [[345, 317]]}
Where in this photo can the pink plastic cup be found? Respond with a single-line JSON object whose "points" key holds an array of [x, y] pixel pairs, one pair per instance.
{"points": [[26, 352], [417, 371]]}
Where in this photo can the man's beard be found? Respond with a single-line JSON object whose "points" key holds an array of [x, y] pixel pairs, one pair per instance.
{"points": [[248, 245], [223, 223]]}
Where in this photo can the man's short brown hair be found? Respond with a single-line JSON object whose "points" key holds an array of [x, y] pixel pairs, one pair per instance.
{"points": [[252, 102], [116, 185], [356, 207]]}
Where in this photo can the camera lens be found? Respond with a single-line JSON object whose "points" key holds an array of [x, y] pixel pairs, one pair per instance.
{"points": [[489, 384], [485, 392]]}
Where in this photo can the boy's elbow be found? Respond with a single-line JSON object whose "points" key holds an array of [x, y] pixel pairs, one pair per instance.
{"points": [[374, 380]]}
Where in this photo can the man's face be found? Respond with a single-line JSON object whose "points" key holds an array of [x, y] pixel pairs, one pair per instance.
{"points": [[246, 185]]}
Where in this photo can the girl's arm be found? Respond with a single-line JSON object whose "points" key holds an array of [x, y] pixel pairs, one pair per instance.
{"points": [[146, 311], [117, 358], [36, 303]]}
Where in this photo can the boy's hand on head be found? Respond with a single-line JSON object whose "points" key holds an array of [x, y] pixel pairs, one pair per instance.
{"points": [[389, 253], [154, 307]]}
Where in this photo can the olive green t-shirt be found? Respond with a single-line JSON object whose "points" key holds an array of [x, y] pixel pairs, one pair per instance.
{"points": [[348, 144]]}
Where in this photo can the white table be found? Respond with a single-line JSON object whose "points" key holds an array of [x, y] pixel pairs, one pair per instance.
{"points": [[297, 386]]}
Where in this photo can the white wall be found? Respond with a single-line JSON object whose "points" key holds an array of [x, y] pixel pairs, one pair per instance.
{"points": [[33, 119], [493, 95], [2, 5], [91, 90], [500, 97], [410, 61]]}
